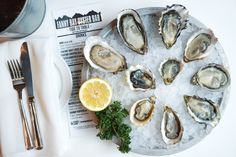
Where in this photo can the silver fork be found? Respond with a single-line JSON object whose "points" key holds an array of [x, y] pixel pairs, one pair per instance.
{"points": [[19, 85]]}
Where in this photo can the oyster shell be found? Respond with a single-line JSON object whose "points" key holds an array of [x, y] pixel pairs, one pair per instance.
{"points": [[169, 69], [172, 21], [171, 127], [131, 29], [140, 78], [103, 57], [199, 44], [142, 111], [213, 77], [202, 110]]}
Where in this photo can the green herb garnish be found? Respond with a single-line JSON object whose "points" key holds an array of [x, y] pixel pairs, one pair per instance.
{"points": [[110, 123]]}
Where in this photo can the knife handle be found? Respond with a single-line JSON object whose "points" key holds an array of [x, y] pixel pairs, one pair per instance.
{"points": [[35, 126], [26, 131]]}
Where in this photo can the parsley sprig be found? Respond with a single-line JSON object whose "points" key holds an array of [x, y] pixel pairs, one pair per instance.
{"points": [[110, 123]]}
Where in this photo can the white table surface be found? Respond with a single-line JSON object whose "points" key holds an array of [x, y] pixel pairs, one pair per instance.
{"points": [[217, 15]]}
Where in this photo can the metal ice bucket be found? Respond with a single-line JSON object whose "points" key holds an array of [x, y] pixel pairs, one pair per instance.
{"points": [[28, 20]]}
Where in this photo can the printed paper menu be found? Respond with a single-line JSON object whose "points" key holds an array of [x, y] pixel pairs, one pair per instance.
{"points": [[73, 26]]}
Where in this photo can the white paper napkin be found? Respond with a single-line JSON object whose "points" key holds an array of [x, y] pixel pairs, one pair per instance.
{"points": [[46, 96]]}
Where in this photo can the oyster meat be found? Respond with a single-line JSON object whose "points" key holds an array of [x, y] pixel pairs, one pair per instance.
{"points": [[140, 78], [171, 127], [169, 69], [213, 77], [103, 57], [142, 111], [172, 21], [131, 30], [202, 110], [199, 44]]}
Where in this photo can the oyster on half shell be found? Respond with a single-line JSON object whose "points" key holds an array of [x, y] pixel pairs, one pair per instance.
{"points": [[131, 30], [103, 57], [213, 77], [142, 111], [172, 21], [199, 44], [140, 78], [171, 127], [169, 70], [202, 110]]}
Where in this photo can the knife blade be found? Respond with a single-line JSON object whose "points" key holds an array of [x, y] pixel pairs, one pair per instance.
{"points": [[26, 69]]}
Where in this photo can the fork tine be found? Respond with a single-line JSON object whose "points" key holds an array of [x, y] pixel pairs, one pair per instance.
{"points": [[11, 71], [16, 69], [19, 67]]}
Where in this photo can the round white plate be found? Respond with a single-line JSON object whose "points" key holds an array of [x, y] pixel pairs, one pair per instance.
{"points": [[63, 79]]}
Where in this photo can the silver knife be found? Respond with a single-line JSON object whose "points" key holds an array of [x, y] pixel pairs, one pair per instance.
{"points": [[26, 68]]}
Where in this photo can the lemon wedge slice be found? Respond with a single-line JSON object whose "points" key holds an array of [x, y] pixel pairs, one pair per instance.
{"points": [[95, 94]]}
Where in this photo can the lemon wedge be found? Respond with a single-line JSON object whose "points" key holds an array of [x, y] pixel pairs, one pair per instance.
{"points": [[95, 94]]}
